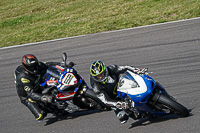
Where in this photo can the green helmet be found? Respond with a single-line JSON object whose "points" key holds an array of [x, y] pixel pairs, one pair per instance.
{"points": [[98, 71]]}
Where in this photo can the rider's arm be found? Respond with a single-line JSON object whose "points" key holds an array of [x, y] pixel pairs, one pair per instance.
{"points": [[106, 99], [102, 95], [122, 69], [29, 89], [33, 96]]}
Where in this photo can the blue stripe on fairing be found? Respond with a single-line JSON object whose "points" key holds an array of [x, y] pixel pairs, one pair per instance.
{"points": [[141, 98]]}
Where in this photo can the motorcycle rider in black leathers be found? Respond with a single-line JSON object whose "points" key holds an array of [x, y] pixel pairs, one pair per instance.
{"points": [[104, 81], [28, 77]]}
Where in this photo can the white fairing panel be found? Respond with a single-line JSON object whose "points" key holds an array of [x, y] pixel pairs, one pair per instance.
{"points": [[132, 87]]}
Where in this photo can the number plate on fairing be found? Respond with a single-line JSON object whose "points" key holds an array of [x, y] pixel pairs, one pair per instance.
{"points": [[69, 79]]}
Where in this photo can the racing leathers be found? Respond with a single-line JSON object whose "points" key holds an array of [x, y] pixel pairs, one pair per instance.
{"points": [[29, 90], [107, 91]]}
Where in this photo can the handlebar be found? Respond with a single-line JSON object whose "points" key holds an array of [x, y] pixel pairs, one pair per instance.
{"points": [[144, 71]]}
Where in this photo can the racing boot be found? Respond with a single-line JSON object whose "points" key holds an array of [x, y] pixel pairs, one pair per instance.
{"points": [[35, 110], [121, 115]]}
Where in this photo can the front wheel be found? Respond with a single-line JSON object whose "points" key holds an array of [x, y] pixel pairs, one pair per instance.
{"points": [[88, 102], [95, 101], [174, 106], [93, 104]]}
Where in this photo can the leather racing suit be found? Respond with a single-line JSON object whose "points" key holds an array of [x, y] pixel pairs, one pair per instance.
{"points": [[107, 91], [28, 88]]}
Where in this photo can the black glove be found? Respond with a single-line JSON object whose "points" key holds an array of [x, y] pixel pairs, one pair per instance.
{"points": [[46, 99], [141, 70]]}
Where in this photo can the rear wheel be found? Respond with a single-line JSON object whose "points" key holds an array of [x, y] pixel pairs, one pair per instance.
{"points": [[174, 106]]}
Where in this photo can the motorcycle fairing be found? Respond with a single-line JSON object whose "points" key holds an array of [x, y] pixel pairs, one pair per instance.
{"points": [[65, 95], [66, 80], [73, 88], [137, 87]]}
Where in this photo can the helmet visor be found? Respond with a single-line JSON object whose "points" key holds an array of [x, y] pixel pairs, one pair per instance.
{"points": [[101, 77], [32, 68]]}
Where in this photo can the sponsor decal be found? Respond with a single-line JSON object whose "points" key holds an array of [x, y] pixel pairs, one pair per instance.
{"points": [[26, 88], [25, 80]]}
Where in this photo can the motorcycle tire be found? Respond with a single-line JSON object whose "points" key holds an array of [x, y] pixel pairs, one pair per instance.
{"points": [[94, 104], [174, 106], [98, 104], [88, 102]]}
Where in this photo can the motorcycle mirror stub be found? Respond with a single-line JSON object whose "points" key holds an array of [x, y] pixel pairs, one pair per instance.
{"points": [[64, 57]]}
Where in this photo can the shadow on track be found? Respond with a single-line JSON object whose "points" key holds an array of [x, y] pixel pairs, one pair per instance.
{"points": [[74, 115], [147, 121]]}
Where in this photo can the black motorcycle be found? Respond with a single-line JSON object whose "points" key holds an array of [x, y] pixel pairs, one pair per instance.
{"points": [[69, 90]]}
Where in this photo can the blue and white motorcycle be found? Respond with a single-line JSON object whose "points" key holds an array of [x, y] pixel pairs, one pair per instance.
{"points": [[146, 97]]}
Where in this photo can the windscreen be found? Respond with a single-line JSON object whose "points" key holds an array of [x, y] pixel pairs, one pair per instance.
{"points": [[53, 71], [127, 79]]}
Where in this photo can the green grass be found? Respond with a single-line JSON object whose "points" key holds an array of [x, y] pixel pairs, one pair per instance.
{"points": [[27, 21]]}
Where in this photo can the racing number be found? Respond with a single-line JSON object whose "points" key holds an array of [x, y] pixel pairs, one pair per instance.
{"points": [[68, 79]]}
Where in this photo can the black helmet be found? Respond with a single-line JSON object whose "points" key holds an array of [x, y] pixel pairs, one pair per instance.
{"points": [[99, 71], [30, 63]]}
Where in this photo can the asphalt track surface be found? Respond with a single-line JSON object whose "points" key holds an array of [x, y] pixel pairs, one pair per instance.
{"points": [[171, 51]]}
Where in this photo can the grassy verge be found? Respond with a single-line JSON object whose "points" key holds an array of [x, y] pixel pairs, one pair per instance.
{"points": [[27, 21]]}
